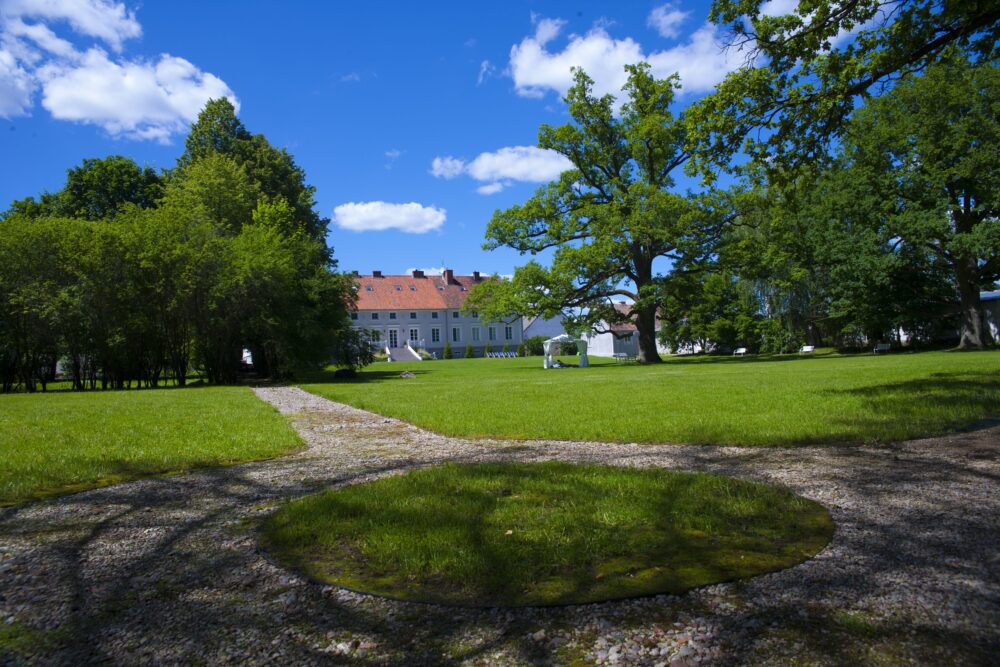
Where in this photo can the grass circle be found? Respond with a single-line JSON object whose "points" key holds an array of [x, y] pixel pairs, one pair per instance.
{"points": [[518, 534]]}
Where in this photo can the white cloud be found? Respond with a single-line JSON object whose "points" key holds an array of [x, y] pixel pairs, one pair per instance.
{"points": [[702, 61], [666, 20], [492, 188], [108, 21], [135, 98], [519, 163], [41, 35], [16, 87], [500, 168], [447, 167], [132, 99], [779, 7], [376, 216], [353, 77], [430, 271], [486, 70]]}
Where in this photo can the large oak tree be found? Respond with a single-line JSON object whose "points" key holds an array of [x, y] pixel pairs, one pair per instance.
{"points": [[613, 218]]}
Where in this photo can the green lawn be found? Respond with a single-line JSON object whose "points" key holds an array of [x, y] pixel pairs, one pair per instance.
{"points": [[60, 442], [783, 401], [537, 534]]}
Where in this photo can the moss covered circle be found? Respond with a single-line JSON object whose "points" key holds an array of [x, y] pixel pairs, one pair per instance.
{"points": [[515, 534]]}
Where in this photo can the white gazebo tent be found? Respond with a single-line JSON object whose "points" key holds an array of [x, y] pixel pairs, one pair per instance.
{"points": [[553, 345]]}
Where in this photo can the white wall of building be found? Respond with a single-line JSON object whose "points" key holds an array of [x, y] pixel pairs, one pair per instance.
{"points": [[419, 326]]}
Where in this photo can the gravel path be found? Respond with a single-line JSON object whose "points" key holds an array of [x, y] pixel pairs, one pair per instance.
{"points": [[167, 570]]}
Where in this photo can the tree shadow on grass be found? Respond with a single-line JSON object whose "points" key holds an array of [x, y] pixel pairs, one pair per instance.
{"points": [[940, 403], [167, 570]]}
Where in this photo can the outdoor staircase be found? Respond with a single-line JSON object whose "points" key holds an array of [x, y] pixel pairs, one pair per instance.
{"points": [[403, 354]]}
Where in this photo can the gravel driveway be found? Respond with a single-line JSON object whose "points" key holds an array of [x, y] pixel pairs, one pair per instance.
{"points": [[167, 570]]}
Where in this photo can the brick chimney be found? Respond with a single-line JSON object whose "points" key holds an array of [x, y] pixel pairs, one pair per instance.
{"points": [[354, 273], [376, 274], [449, 277], [475, 276], [417, 273]]}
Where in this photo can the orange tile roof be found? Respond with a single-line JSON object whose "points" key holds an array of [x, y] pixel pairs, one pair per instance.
{"points": [[409, 293]]}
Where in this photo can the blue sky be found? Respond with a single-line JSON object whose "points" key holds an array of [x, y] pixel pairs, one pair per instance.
{"points": [[414, 121]]}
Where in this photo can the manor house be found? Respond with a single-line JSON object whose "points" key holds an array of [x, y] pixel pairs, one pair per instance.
{"points": [[416, 311]]}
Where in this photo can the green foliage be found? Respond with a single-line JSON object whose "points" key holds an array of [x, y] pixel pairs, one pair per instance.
{"points": [[521, 350], [488, 349], [534, 346], [446, 354], [513, 534], [929, 147], [788, 110], [271, 170], [611, 217], [353, 349], [63, 442], [717, 312], [468, 351], [506, 348], [790, 400], [127, 293], [102, 188]]}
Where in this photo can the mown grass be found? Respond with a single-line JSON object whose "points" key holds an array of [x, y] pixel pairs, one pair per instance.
{"points": [[784, 401], [60, 442], [542, 534]]}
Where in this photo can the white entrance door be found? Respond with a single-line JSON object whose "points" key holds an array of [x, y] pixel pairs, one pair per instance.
{"points": [[393, 338]]}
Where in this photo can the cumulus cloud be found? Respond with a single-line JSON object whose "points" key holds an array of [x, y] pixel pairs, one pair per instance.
{"points": [[702, 61], [666, 20], [500, 168], [377, 216], [107, 21], [447, 167], [16, 87], [135, 98]]}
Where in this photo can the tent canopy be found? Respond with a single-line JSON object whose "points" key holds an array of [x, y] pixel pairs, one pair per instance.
{"points": [[553, 344]]}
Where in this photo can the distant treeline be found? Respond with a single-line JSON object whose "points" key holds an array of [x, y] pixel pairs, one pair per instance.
{"points": [[131, 278]]}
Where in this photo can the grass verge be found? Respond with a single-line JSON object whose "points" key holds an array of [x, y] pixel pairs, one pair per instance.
{"points": [[783, 401], [62, 442], [542, 534]]}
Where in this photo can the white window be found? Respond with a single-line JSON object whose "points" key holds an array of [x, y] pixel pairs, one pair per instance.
{"points": [[413, 316], [399, 288], [392, 316], [508, 333], [474, 314], [475, 334], [414, 335], [456, 314], [434, 315], [413, 288], [376, 335], [456, 335], [374, 316], [354, 316], [493, 333], [435, 335]]}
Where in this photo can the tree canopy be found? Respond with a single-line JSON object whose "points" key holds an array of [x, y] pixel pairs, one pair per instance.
{"points": [[817, 62], [612, 216], [128, 278]]}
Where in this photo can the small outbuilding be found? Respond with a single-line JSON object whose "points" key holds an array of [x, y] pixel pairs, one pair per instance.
{"points": [[553, 345]]}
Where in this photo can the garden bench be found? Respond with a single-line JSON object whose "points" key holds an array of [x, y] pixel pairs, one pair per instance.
{"points": [[807, 349], [882, 347], [739, 352], [622, 357]]}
